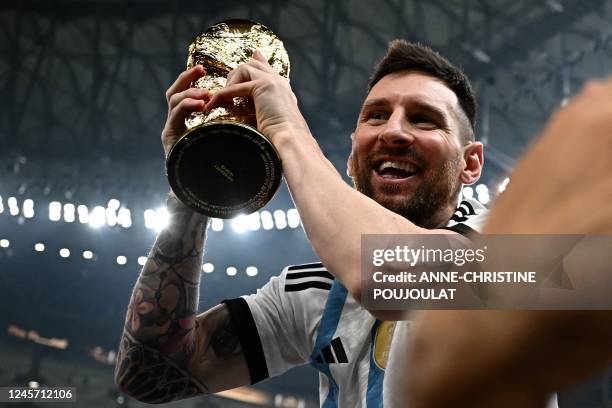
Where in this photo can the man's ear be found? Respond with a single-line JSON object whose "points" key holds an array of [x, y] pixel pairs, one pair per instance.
{"points": [[474, 159], [349, 161]]}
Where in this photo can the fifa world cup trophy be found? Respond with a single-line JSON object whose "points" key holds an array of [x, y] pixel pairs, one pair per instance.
{"points": [[222, 165]]}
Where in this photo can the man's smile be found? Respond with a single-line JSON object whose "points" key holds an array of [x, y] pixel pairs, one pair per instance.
{"points": [[394, 171]]}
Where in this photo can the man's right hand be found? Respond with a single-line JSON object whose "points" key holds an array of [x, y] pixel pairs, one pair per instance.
{"points": [[182, 101], [562, 185]]}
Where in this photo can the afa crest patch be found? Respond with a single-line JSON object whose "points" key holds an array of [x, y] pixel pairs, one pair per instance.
{"points": [[382, 343]]}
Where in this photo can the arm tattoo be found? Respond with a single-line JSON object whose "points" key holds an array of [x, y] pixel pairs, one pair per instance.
{"points": [[159, 332], [146, 375]]}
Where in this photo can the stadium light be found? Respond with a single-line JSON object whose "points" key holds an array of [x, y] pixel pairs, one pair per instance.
{"points": [[251, 271], [231, 271], [111, 217], [113, 204], [64, 252], [69, 212], [280, 219], [163, 218], [28, 208], [97, 217], [13, 207], [69, 217], [267, 222], [4, 243], [121, 260], [124, 218], [468, 192], [481, 188], [55, 211], [87, 254], [483, 193], [254, 221], [39, 247], [240, 224], [83, 212], [149, 218], [293, 218], [502, 186], [216, 224], [484, 198], [142, 260], [208, 267], [156, 219]]}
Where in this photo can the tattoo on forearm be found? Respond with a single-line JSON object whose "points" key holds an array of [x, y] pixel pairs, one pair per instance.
{"points": [[159, 334], [148, 376], [169, 282]]}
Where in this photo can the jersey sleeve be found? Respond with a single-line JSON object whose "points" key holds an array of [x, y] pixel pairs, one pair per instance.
{"points": [[270, 329]]}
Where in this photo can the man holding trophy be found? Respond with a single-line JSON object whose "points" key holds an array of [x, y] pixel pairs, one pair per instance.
{"points": [[412, 150]]}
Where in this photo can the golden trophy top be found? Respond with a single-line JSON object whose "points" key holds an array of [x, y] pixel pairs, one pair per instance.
{"points": [[223, 47], [229, 43]]}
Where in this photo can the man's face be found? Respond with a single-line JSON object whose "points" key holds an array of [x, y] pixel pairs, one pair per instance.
{"points": [[406, 152]]}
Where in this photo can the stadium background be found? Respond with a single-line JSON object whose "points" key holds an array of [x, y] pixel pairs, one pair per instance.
{"points": [[82, 182]]}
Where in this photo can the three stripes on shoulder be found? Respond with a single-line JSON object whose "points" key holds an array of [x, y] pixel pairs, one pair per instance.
{"points": [[308, 276], [463, 211]]}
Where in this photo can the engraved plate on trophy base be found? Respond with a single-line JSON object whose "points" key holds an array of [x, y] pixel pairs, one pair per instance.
{"points": [[223, 169]]}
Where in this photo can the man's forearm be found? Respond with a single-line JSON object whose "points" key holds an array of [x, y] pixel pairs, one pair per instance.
{"points": [[505, 354], [162, 310], [334, 214]]}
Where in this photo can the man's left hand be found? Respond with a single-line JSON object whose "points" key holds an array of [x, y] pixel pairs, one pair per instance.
{"points": [[276, 107]]}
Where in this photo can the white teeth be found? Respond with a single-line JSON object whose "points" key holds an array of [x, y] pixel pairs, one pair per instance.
{"points": [[407, 167]]}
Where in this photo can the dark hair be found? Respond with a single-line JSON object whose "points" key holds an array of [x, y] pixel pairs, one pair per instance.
{"points": [[405, 56]]}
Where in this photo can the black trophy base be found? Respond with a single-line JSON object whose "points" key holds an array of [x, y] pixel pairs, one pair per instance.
{"points": [[222, 169]]}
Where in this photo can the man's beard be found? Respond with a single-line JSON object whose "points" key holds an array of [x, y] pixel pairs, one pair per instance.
{"points": [[438, 188]]}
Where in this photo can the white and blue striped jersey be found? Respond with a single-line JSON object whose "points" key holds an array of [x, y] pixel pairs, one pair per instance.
{"points": [[305, 316]]}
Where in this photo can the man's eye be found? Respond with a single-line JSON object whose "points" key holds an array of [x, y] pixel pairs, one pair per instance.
{"points": [[376, 115], [423, 121]]}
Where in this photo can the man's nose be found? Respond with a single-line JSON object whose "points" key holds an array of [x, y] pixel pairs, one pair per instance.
{"points": [[397, 130]]}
